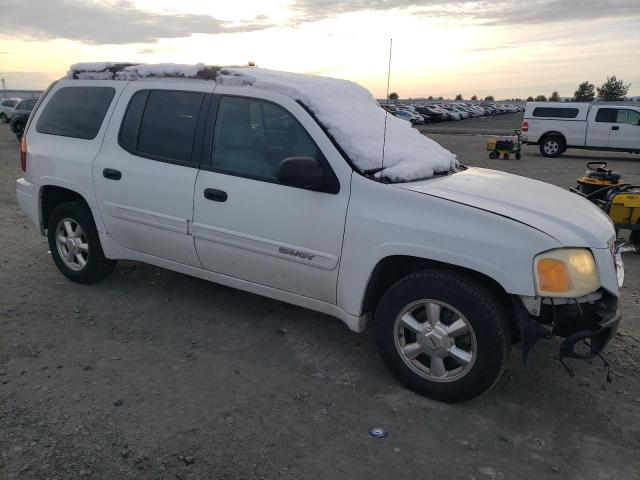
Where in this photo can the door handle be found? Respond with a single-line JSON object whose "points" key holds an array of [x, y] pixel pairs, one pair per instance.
{"points": [[112, 174], [215, 195], [615, 127]]}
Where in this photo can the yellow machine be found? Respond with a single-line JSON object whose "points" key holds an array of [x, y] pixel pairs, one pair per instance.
{"points": [[619, 200], [503, 147]]}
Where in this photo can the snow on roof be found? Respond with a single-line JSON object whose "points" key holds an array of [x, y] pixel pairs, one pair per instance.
{"points": [[348, 111], [355, 120]]}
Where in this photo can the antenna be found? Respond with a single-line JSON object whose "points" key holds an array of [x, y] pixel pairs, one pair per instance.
{"points": [[386, 112]]}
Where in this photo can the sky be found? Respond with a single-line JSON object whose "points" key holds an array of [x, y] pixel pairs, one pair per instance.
{"points": [[503, 48]]}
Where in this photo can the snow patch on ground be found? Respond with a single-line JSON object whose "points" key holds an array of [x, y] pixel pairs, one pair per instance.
{"points": [[355, 120]]}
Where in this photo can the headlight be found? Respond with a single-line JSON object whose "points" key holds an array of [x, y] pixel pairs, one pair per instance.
{"points": [[566, 272]]}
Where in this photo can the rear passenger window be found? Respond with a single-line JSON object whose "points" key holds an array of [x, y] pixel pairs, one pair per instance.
{"points": [[75, 112], [555, 112], [606, 115], [161, 124], [252, 137]]}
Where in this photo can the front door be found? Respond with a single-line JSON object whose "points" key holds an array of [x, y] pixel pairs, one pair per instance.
{"points": [[145, 174], [247, 224]]}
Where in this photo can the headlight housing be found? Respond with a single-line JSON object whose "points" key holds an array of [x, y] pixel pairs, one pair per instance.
{"points": [[566, 273]]}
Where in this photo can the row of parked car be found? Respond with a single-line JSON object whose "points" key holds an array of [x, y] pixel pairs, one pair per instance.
{"points": [[420, 114], [16, 111]]}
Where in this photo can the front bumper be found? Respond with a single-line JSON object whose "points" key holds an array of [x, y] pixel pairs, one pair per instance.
{"points": [[586, 327]]}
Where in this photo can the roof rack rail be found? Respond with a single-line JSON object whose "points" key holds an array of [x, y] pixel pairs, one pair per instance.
{"points": [[135, 71]]}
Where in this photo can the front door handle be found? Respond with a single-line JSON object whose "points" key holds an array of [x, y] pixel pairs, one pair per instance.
{"points": [[615, 127], [215, 195], [112, 174]]}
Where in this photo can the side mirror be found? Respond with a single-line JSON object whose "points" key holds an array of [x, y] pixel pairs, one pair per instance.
{"points": [[302, 172]]}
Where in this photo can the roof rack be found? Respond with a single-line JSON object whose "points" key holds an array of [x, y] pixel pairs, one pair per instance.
{"points": [[135, 71]]}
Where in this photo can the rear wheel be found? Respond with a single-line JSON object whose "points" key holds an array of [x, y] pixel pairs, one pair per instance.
{"points": [[75, 245], [552, 146], [442, 335], [493, 155], [3, 118]]}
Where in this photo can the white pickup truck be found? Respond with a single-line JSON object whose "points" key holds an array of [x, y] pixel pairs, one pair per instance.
{"points": [[557, 126]]}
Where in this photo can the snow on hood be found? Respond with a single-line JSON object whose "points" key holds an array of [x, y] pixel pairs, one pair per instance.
{"points": [[355, 120]]}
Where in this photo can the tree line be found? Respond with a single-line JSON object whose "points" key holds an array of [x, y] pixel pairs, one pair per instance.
{"points": [[611, 90]]}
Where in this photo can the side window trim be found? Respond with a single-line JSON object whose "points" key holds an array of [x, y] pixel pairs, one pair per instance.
{"points": [[207, 151], [196, 146]]}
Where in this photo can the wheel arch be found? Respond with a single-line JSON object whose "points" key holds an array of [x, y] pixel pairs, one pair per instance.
{"points": [[392, 268], [53, 195], [553, 133]]}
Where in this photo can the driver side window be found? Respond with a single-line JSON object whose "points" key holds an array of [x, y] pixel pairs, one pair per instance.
{"points": [[252, 137]]}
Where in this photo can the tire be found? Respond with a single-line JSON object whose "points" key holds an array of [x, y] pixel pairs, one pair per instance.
{"points": [[518, 156], [3, 118], [439, 370], [85, 242], [552, 146], [493, 155]]}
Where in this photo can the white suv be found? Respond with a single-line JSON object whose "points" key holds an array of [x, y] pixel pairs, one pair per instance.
{"points": [[289, 186]]}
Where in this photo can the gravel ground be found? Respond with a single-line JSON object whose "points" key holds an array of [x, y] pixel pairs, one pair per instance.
{"points": [[156, 375]]}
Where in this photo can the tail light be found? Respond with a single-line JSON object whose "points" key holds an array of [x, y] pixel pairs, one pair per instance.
{"points": [[525, 126], [23, 154]]}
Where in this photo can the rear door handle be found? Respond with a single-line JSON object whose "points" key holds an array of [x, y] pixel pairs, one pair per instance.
{"points": [[112, 174], [215, 195], [615, 127]]}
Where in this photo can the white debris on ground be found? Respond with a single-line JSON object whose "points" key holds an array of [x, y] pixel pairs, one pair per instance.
{"points": [[355, 120], [348, 111]]}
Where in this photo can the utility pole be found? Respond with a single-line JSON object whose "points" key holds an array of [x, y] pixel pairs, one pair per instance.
{"points": [[4, 88]]}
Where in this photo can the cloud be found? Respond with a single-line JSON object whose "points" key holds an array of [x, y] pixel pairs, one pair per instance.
{"points": [[108, 23], [483, 12]]}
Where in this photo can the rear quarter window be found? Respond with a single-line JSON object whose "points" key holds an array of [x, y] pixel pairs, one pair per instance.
{"points": [[76, 112], [555, 112]]}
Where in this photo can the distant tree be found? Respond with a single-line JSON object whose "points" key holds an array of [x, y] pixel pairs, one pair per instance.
{"points": [[430, 97], [474, 98], [530, 99], [517, 99], [541, 98], [586, 92], [440, 98], [555, 96], [251, 64], [613, 89], [393, 96], [489, 98], [459, 96]]}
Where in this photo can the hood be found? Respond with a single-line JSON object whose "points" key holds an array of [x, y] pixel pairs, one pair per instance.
{"points": [[570, 219]]}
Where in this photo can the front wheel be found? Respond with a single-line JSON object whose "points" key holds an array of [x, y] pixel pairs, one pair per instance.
{"points": [[442, 335], [75, 245]]}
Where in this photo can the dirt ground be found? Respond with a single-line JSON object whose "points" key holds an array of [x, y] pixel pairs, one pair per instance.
{"points": [[156, 375]]}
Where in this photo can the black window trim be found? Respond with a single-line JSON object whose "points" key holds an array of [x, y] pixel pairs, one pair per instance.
{"points": [[207, 152], [196, 146], [41, 99]]}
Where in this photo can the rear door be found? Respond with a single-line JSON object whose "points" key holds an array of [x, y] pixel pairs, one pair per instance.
{"points": [[625, 130], [599, 126], [145, 173], [249, 226]]}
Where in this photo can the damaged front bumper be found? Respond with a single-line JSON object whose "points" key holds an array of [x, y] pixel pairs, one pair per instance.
{"points": [[586, 324]]}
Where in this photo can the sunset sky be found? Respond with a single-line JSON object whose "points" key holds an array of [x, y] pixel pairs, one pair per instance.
{"points": [[441, 47]]}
